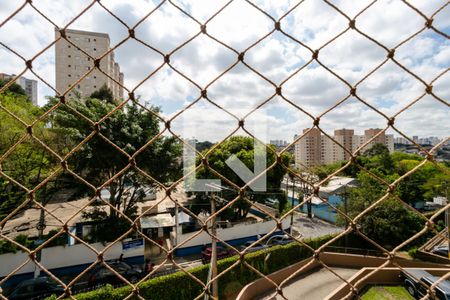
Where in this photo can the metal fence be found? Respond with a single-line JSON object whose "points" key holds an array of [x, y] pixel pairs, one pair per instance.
{"points": [[278, 90]]}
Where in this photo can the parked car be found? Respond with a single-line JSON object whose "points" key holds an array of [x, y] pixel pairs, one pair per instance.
{"points": [[441, 250], [37, 288], [280, 240], [417, 283], [222, 252], [256, 247], [101, 275], [271, 202]]}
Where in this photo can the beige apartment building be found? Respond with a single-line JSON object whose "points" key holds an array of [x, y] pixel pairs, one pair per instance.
{"points": [[71, 63], [308, 149], [317, 149]]}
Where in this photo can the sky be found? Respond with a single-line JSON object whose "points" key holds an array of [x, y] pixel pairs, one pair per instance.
{"points": [[277, 57]]}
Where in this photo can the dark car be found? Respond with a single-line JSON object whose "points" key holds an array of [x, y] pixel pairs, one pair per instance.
{"points": [[417, 283], [222, 252], [101, 275], [37, 288], [441, 251]]}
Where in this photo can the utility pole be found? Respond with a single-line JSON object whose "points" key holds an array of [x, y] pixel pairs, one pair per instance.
{"points": [[346, 213], [308, 204], [447, 219], [292, 204], [215, 290], [40, 227], [213, 264], [176, 223]]}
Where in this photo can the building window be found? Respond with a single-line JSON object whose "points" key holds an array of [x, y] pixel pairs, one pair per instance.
{"points": [[88, 39], [70, 66], [69, 46], [69, 75], [89, 59], [95, 86], [69, 56], [95, 77], [79, 86], [88, 68], [95, 40], [95, 49]]}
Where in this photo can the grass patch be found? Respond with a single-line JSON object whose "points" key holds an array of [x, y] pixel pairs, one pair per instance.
{"points": [[387, 293]]}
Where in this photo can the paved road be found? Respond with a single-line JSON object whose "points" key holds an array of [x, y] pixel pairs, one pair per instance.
{"points": [[312, 228], [313, 286]]}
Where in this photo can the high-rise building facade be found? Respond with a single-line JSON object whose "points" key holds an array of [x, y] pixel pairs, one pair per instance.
{"points": [[308, 148], [345, 138], [71, 63], [29, 85], [317, 149]]}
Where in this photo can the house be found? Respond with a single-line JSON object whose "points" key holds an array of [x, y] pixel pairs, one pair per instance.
{"points": [[331, 195]]}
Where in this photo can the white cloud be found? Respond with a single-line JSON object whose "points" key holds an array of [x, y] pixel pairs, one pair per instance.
{"points": [[239, 25]]}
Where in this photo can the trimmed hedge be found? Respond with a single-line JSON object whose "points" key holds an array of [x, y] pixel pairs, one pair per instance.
{"points": [[180, 286]]}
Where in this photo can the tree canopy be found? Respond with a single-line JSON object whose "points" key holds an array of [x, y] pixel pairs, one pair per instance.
{"points": [[103, 157], [390, 222], [13, 88], [243, 148], [29, 163], [104, 93]]}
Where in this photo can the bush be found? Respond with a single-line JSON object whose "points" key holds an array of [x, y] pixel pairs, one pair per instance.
{"points": [[179, 285], [412, 252]]}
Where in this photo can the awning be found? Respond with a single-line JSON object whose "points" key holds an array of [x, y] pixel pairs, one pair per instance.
{"points": [[157, 221], [183, 218]]}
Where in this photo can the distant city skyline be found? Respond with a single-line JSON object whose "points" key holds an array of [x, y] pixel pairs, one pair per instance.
{"points": [[313, 148]]}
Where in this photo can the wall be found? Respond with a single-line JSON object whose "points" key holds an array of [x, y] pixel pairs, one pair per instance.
{"points": [[235, 235], [322, 211], [386, 276], [258, 287], [65, 260]]}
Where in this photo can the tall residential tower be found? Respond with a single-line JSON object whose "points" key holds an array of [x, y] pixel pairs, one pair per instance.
{"points": [[71, 63]]}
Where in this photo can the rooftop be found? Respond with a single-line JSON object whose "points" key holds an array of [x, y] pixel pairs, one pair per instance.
{"points": [[83, 32]]}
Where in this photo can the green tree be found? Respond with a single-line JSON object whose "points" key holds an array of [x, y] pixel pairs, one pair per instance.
{"points": [[104, 93], [243, 148], [202, 146], [13, 88], [389, 223], [437, 185], [29, 163], [379, 158], [98, 161]]}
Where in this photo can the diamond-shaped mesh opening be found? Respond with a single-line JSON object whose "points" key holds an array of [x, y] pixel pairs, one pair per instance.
{"points": [[128, 173]]}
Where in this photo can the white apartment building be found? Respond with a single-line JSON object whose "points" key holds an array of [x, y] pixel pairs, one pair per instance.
{"points": [[71, 63], [318, 149], [29, 85]]}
